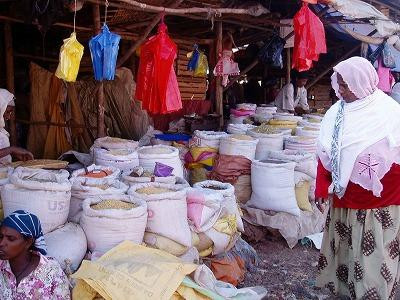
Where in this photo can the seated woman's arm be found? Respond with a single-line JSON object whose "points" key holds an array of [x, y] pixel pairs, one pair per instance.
{"points": [[16, 152]]}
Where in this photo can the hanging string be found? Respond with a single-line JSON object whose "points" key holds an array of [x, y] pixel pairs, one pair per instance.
{"points": [[105, 13], [74, 15]]}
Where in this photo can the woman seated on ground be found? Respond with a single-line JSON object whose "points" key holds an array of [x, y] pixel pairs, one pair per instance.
{"points": [[25, 272]]}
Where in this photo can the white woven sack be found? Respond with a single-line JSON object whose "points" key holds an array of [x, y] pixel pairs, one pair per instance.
{"points": [[115, 143], [273, 186], [124, 159], [300, 131], [4, 175], [44, 193], [107, 228], [305, 123], [207, 138], [266, 110], [287, 117], [262, 118], [222, 242], [82, 190], [247, 106], [237, 120], [51, 207], [167, 155], [267, 142], [305, 162], [232, 146], [204, 208], [239, 128], [67, 245], [230, 206], [77, 175], [167, 213]]}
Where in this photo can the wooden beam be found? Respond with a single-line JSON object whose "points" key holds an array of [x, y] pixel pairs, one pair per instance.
{"points": [[8, 41], [33, 57], [219, 90], [96, 18], [147, 31], [288, 65], [345, 56]]}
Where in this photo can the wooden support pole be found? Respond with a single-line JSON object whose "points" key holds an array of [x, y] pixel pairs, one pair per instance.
{"points": [[10, 77], [288, 65], [101, 132], [147, 31], [219, 90]]}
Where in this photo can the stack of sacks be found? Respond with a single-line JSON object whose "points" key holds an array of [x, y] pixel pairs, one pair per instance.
{"points": [[167, 224], [110, 220], [239, 128], [4, 173], [200, 162], [166, 155], [47, 195], [284, 202], [236, 171], [242, 112], [214, 215], [115, 152], [91, 182], [268, 140], [301, 143], [208, 139]]}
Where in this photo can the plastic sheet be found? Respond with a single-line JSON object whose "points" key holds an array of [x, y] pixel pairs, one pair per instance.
{"points": [[202, 66], [71, 53], [271, 52], [161, 170], [104, 52], [157, 85], [309, 39]]}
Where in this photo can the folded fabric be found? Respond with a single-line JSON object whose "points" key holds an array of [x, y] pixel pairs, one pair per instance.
{"points": [[228, 168]]}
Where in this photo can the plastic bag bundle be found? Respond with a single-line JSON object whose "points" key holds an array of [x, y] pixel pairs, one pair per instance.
{"points": [[198, 62], [104, 51], [194, 58], [309, 39], [271, 52], [71, 53], [157, 85]]}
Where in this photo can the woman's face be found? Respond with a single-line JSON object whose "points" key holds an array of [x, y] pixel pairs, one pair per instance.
{"points": [[344, 90], [12, 243], [8, 113]]}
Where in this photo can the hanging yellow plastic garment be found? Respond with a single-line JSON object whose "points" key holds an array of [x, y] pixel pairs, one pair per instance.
{"points": [[202, 66], [71, 53]]}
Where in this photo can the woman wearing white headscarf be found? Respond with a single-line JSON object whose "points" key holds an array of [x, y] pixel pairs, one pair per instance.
{"points": [[359, 162], [6, 109]]}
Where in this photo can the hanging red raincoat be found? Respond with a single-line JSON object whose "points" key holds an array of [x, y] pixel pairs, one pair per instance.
{"points": [[157, 85], [309, 39]]}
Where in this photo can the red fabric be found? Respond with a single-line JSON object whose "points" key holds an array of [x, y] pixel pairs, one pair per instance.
{"points": [[357, 197], [309, 39], [157, 85], [200, 107], [324, 180]]}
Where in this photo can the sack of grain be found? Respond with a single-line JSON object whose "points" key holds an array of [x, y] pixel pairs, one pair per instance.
{"points": [[239, 128], [243, 189], [273, 186], [67, 245], [207, 138], [237, 120], [229, 206], [4, 175], [109, 220], [307, 131], [44, 193], [131, 180], [287, 117], [301, 143], [167, 210], [95, 174], [165, 244], [149, 155], [84, 189], [266, 110], [124, 159], [236, 144], [305, 162], [267, 142], [204, 207], [109, 142], [247, 106]]}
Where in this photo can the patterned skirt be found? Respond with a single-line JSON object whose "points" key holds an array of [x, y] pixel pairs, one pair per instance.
{"points": [[360, 253]]}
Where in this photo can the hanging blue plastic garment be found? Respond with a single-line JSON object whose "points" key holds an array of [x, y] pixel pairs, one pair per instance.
{"points": [[194, 58], [104, 51]]}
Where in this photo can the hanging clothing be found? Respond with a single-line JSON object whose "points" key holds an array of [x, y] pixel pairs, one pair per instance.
{"points": [[359, 153], [6, 99], [386, 78], [287, 101], [226, 67]]}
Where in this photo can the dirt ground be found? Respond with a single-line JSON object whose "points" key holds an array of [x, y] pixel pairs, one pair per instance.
{"points": [[287, 273]]}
